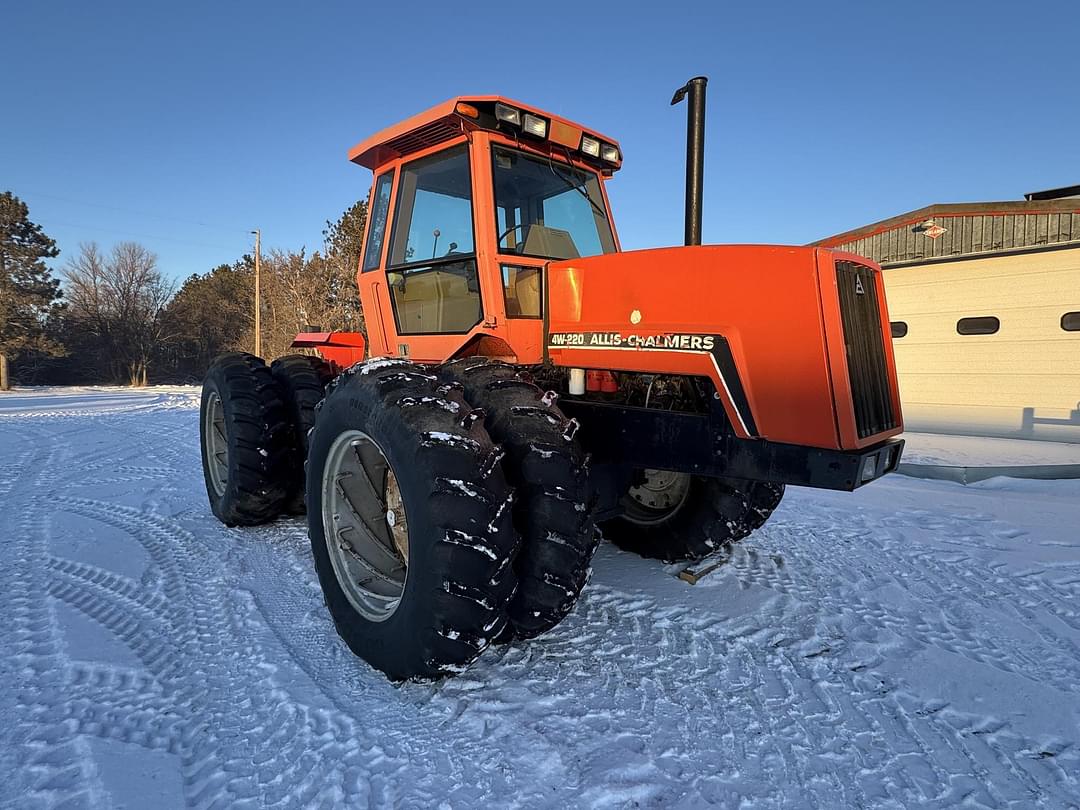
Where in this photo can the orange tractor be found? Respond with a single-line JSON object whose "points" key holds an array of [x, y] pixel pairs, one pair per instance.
{"points": [[527, 381]]}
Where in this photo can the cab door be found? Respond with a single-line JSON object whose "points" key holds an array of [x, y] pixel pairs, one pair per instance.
{"points": [[371, 278], [427, 291]]}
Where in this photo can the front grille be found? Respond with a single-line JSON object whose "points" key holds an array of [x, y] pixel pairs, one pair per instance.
{"points": [[864, 343]]}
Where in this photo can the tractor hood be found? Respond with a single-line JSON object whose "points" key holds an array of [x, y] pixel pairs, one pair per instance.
{"points": [[765, 323]]}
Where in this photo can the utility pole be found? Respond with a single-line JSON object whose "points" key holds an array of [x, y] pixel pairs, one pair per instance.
{"points": [[5, 383], [258, 301]]}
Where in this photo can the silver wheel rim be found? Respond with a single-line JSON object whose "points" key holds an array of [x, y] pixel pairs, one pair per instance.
{"points": [[217, 443], [657, 498], [364, 525]]}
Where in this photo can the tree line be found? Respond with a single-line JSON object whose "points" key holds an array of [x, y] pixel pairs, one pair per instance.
{"points": [[113, 316]]}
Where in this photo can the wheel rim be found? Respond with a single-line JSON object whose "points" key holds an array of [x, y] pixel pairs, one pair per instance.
{"points": [[365, 527], [657, 498], [217, 443]]}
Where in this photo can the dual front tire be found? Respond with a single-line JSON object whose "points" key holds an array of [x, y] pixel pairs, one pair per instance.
{"points": [[676, 517]]}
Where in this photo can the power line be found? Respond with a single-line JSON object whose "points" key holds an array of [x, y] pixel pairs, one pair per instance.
{"points": [[135, 211], [141, 235]]}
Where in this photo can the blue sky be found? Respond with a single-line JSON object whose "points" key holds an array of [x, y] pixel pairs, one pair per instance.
{"points": [[185, 125]]}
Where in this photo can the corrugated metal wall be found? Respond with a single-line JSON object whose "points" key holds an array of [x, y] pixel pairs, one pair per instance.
{"points": [[968, 234]]}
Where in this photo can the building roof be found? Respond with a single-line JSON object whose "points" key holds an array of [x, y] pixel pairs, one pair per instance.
{"points": [[953, 230], [1054, 193]]}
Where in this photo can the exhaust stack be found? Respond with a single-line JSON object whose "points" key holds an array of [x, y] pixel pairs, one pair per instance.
{"points": [[695, 153]]}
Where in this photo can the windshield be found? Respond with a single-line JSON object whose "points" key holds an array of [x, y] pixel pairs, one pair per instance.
{"points": [[547, 208]]}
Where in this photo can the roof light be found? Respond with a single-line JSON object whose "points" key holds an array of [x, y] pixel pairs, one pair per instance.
{"points": [[535, 126], [590, 146], [609, 153], [467, 109], [511, 115]]}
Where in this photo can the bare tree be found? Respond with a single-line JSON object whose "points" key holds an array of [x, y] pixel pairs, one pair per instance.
{"points": [[299, 291], [116, 302], [210, 314]]}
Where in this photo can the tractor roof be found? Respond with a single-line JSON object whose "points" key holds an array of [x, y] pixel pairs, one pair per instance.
{"points": [[445, 121]]}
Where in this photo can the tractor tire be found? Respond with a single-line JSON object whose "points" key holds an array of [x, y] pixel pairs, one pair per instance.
{"points": [[409, 516], [699, 517], [245, 439], [764, 498], [549, 472], [302, 380]]}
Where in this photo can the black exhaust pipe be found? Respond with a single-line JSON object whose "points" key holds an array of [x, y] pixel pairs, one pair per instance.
{"points": [[695, 153]]}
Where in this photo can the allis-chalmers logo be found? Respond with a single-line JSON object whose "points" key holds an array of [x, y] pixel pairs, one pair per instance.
{"points": [[614, 340]]}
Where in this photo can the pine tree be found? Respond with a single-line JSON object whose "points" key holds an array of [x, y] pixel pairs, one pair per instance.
{"points": [[28, 292], [344, 238], [343, 244]]}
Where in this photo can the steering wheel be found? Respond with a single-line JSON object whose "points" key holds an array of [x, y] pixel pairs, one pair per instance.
{"points": [[520, 246]]}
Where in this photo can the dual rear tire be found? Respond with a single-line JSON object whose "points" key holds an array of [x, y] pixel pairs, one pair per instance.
{"points": [[254, 425], [246, 437]]}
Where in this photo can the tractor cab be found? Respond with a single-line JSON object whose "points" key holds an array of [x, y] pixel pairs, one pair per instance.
{"points": [[469, 201]]}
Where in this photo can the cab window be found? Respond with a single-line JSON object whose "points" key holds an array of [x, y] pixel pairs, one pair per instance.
{"points": [[433, 217], [380, 206], [547, 208], [431, 271]]}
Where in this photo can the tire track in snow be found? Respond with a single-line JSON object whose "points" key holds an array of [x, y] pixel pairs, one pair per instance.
{"points": [[794, 708], [50, 766], [842, 568], [206, 667], [626, 702]]}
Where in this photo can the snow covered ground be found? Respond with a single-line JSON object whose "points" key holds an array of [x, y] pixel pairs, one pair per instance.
{"points": [[915, 644], [980, 451]]}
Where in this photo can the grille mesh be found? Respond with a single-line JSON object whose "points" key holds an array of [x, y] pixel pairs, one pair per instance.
{"points": [[864, 344]]}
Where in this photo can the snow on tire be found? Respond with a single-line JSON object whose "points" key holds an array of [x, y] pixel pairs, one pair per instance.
{"points": [[547, 467], [410, 521], [704, 515], [764, 498], [302, 380], [244, 435]]}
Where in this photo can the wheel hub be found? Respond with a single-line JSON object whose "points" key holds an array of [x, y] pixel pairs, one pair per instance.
{"points": [[658, 496], [364, 525], [661, 489], [395, 516], [217, 443]]}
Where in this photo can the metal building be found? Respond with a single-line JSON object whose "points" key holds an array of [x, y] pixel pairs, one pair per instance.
{"points": [[985, 304]]}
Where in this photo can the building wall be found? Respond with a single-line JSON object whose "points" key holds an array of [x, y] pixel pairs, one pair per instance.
{"points": [[1016, 382]]}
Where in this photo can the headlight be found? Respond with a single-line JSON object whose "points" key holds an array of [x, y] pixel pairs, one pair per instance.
{"points": [[511, 115], [590, 146], [535, 126], [609, 153]]}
